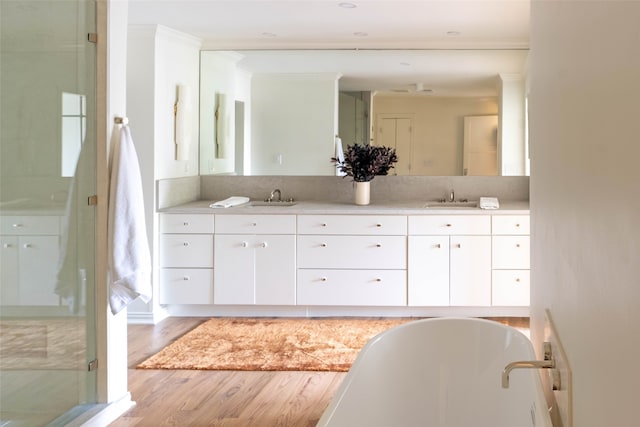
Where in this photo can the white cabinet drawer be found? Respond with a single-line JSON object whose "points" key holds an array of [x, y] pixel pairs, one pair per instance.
{"points": [[389, 225], [29, 225], [510, 288], [187, 223], [510, 224], [378, 252], [450, 224], [186, 250], [352, 287], [510, 252], [256, 224], [186, 286]]}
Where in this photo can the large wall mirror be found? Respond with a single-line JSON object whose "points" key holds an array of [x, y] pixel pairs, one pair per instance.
{"points": [[285, 112]]}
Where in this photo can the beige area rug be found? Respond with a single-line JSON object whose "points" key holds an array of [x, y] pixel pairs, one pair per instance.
{"points": [[36, 344], [271, 344]]}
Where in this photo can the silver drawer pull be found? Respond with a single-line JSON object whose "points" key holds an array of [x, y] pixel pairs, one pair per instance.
{"points": [[245, 244], [264, 244], [378, 225], [323, 279], [437, 245], [517, 225], [6, 245], [378, 245], [16, 225], [458, 245], [254, 224], [324, 224], [517, 245], [186, 224], [27, 245], [186, 278], [185, 243], [517, 279], [324, 245], [378, 279], [448, 225]]}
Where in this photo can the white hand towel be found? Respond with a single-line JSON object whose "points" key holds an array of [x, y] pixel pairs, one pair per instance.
{"points": [[230, 202], [489, 203], [128, 247]]}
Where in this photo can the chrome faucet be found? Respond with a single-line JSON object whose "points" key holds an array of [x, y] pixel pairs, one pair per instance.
{"points": [[548, 363], [531, 364], [273, 195]]}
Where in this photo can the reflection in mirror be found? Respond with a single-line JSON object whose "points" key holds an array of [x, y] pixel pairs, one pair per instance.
{"points": [[295, 103], [74, 119]]}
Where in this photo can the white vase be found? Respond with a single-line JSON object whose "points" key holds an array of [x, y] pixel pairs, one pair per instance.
{"points": [[362, 192]]}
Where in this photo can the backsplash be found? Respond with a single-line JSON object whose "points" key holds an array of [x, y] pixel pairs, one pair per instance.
{"points": [[175, 191]]}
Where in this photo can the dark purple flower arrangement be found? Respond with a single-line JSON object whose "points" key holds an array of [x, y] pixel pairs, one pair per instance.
{"points": [[364, 162]]}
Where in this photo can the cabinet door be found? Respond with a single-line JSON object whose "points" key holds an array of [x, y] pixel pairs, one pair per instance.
{"points": [[510, 288], [352, 252], [275, 265], [352, 287], [9, 270], [186, 223], [38, 261], [470, 271], [254, 270], [428, 271], [511, 252], [186, 250], [234, 269], [186, 286]]}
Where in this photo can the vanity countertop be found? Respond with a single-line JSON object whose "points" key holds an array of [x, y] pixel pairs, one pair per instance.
{"points": [[28, 207], [336, 208]]}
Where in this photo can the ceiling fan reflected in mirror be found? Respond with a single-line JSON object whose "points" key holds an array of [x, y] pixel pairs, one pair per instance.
{"points": [[413, 88]]}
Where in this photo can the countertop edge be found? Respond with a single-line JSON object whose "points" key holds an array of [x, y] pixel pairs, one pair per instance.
{"points": [[336, 208]]}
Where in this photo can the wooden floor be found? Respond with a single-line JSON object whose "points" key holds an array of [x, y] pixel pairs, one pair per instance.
{"points": [[223, 398]]}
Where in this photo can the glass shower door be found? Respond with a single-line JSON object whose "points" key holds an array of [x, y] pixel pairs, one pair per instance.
{"points": [[47, 225]]}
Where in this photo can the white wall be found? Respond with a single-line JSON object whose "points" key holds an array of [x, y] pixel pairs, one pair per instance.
{"points": [[585, 208], [293, 115], [511, 145], [438, 136], [159, 60]]}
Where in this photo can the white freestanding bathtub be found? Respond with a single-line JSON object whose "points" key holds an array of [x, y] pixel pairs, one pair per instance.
{"points": [[443, 372]]}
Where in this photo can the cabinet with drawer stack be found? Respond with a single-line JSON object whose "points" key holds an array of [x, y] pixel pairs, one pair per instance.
{"points": [[186, 259], [255, 259], [352, 260], [510, 260]]}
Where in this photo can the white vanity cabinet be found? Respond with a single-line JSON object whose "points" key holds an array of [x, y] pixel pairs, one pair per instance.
{"points": [[510, 260], [449, 260], [186, 259], [255, 259], [30, 252], [354, 260]]}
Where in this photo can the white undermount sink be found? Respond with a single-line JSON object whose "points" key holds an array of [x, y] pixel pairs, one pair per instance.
{"points": [[466, 204]]}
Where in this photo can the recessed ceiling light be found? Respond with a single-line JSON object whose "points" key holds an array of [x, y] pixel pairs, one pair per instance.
{"points": [[360, 34], [268, 34], [347, 5], [453, 33]]}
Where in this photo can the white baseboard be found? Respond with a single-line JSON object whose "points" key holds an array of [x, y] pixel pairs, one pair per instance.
{"points": [[102, 414], [318, 311], [147, 317]]}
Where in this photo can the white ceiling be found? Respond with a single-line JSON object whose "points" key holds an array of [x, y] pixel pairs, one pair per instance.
{"points": [[371, 24]]}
